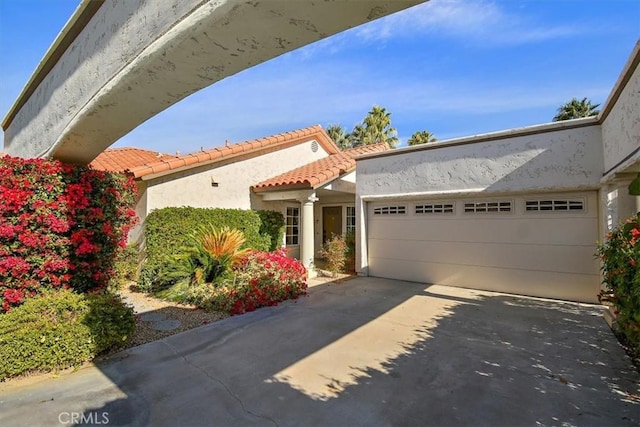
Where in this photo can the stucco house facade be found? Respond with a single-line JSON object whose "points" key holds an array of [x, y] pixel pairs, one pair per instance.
{"points": [[302, 174], [516, 211]]}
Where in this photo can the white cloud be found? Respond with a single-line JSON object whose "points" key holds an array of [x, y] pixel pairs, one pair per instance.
{"points": [[477, 22]]}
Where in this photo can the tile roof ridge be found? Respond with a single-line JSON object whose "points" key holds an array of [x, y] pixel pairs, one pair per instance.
{"points": [[247, 146]]}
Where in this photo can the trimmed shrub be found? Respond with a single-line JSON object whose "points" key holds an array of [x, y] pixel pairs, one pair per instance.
{"points": [[335, 253], [61, 329], [620, 256], [272, 224], [125, 267], [60, 226], [166, 234]]}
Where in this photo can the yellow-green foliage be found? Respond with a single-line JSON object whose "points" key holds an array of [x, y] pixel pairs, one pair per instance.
{"points": [[125, 267], [61, 329], [335, 253], [223, 244]]}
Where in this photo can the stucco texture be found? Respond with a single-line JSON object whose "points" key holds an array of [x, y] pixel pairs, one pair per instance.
{"points": [[561, 159], [621, 128], [234, 179]]}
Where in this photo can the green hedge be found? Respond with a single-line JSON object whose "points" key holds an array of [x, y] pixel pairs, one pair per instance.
{"points": [[61, 329], [166, 234], [272, 224]]}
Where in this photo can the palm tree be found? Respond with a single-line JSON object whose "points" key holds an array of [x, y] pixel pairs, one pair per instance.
{"points": [[358, 136], [376, 127], [575, 109], [339, 135], [421, 137]]}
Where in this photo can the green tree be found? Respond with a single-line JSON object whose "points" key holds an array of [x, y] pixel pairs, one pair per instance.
{"points": [[339, 135], [575, 109], [358, 136], [376, 127], [421, 137]]}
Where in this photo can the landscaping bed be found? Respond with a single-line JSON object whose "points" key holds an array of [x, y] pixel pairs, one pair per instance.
{"points": [[188, 316]]}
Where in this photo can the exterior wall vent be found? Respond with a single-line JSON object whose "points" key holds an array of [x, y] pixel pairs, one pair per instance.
{"points": [[314, 146]]}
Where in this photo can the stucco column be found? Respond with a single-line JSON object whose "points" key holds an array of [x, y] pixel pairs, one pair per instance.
{"points": [[307, 245], [362, 263]]}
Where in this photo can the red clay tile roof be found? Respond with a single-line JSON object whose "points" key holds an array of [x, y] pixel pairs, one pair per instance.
{"points": [[124, 159], [320, 172], [174, 163]]}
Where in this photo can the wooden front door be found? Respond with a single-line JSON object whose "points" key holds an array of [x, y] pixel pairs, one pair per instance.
{"points": [[331, 222]]}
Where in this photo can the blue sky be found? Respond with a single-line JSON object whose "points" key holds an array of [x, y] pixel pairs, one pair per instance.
{"points": [[451, 67]]}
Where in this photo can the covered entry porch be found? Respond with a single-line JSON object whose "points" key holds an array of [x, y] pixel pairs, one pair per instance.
{"points": [[317, 200]]}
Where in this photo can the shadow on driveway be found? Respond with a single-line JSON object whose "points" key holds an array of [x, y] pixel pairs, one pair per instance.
{"points": [[365, 352]]}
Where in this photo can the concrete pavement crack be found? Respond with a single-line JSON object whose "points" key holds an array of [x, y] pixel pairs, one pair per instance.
{"points": [[219, 381]]}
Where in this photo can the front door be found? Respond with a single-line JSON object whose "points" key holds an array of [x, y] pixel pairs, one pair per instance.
{"points": [[331, 222]]}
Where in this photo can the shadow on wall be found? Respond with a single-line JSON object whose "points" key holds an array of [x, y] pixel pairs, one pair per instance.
{"points": [[382, 352]]}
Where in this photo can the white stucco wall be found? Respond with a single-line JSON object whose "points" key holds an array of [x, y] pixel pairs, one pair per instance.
{"points": [[621, 127], [616, 206], [135, 235], [193, 187], [561, 159]]}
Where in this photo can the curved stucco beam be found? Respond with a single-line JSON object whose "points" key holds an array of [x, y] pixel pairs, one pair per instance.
{"points": [[99, 90]]}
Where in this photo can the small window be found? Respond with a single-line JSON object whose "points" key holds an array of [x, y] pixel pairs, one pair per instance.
{"points": [[434, 208], [292, 226], [488, 207], [351, 219], [575, 205], [390, 210]]}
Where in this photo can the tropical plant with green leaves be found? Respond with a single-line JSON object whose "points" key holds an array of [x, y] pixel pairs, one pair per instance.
{"points": [[211, 253], [421, 137], [575, 109]]}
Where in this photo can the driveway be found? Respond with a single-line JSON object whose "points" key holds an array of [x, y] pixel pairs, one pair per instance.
{"points": [[367, 352]]}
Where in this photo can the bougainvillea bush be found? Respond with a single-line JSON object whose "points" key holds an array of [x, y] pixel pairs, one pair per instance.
{"points": [[620, 256], [262, 279], [60, 226]]}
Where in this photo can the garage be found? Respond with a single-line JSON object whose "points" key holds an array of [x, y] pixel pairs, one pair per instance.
{"points": [[540, 244]]}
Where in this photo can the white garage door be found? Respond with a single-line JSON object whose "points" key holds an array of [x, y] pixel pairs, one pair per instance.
{"points": [[540, 245]]}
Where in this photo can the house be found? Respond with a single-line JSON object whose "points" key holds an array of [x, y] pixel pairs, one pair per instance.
{"points": [[301, 173], [516, 211]]}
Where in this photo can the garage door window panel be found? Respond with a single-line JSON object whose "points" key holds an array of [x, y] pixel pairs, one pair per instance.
{"points": [[390, 210], [434, 208], [554, 205], [503, 206]]}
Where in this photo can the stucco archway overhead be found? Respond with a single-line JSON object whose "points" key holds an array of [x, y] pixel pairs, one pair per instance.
{"points": [[116, 64]]}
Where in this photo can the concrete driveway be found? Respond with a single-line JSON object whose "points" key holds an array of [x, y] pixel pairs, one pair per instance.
{"points": [[366, 352]]}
